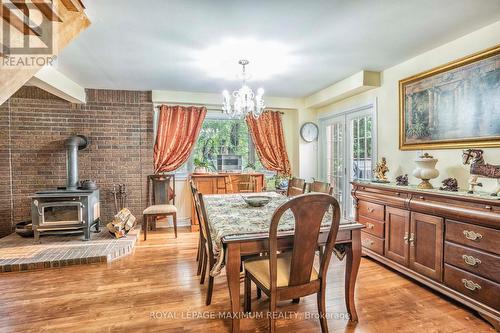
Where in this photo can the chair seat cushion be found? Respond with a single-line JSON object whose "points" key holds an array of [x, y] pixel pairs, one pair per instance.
{"points": [[259, 269], [160, 209]]}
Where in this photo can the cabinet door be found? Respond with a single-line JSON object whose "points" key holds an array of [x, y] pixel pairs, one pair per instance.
{"points": [[426, 245], [397, 229]]}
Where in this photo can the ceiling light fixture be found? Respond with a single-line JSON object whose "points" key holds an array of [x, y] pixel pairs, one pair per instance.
{"points": [[245, 101]]}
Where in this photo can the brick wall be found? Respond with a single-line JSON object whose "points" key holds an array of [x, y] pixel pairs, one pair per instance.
{"points": [[36, 123]]}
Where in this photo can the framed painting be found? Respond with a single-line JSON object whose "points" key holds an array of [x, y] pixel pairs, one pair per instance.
{"points": [[456, 105]]}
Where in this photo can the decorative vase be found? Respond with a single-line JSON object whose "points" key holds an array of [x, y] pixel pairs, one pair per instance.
{"points": [[426, 170]]}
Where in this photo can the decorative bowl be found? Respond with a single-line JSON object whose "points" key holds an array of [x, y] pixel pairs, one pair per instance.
{"points": [[257, 200]]}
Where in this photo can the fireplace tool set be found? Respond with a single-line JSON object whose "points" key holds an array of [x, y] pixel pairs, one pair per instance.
{"points": [[120, 196]]}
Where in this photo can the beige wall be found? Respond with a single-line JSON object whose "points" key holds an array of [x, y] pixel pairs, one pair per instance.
{"points": [[401, 162]]}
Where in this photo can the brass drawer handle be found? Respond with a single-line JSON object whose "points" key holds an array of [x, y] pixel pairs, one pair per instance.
{"points": [[367, 242], [405, 238], [488, 207], [471, 261], [370, 210], [471, 235], [421, 198], [471, 285], [398, 194], [412, 239], [370, 225]]}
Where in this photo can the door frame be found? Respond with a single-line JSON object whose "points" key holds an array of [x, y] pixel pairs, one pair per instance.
{"points": [[345, 113]]}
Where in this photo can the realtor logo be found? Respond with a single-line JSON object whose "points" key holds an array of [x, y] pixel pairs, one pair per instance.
{"points": [[27, 28]]}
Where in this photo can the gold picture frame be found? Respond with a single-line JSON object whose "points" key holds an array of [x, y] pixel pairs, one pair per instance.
{"points": [[450, 80]]}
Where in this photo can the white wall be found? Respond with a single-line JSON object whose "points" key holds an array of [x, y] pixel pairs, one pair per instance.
{"points": [[400, 162]]}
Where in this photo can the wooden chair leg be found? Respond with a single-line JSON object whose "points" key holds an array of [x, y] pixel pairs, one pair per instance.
{"points": [[175, 224], [145, 225], [198, 253], [201, 256], [322, 311], [209, 289], [248, 294], [259, 293], [204, 267], [272, 314]]}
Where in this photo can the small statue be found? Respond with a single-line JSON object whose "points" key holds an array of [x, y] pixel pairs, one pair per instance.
{"points": [[479, 168], [380, 171], [402, 180], [449, 184]]}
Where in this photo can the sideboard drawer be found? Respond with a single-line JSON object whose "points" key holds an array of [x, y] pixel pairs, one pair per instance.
{"points": [[372, 243], [475, 261], [371, 210], [471, 285], [373, 227], [487, 239]]}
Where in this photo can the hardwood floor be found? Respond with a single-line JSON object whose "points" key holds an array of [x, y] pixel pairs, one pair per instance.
{"points": [[137, 293]]}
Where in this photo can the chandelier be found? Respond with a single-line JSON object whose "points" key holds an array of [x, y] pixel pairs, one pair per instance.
{"points": [[245, 101]]}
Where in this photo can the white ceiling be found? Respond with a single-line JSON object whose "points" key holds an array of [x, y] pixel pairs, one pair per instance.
{"points": [[158, 44]]}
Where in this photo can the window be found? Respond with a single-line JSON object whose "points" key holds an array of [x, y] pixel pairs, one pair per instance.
{"points": [[347, 152], [223, 137]]}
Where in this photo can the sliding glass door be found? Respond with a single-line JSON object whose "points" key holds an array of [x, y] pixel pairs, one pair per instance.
{"points": [[346, 153]]}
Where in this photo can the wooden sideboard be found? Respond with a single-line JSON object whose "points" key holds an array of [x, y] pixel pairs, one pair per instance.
{"points": [[218, 183], [447, 241]]}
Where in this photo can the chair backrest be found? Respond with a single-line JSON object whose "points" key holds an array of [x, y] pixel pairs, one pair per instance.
{"points": [[161, 189], [320, 187], [204, 222], [246, 183], [308, 211], [194, 192], [296, 186]]}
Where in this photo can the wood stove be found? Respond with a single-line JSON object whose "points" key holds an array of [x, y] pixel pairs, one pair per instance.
{"points": [[68, 209]]}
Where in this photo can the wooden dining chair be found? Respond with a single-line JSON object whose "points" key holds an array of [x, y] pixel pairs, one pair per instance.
{"points": [[320, 187], [201, 241], [296, 186], [291, 275], [208, 257], [247, 183], [160, 192]]}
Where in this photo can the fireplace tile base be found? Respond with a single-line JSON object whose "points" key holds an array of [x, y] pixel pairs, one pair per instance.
{"points": [[20, 254]]}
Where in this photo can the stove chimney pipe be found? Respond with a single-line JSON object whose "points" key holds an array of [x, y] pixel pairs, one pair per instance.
{"points": [[73, 145]]}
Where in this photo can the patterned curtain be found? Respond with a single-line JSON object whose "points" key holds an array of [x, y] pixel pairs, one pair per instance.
{"points": [[178, 130], [267, 135]]}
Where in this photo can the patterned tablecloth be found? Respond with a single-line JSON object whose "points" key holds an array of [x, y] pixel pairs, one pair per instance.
{"points": [[229, 215]]}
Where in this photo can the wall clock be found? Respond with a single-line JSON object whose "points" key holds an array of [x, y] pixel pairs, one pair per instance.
{"points": [[309, 132]]}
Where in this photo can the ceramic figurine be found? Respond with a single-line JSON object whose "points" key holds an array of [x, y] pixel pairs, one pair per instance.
{"points": [[380, 171], [478, 168], [402, 180], [449, 184], [426, 170]]}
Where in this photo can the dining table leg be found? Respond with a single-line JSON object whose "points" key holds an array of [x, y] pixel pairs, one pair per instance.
{"points": [[353, 258], [233, 263]]}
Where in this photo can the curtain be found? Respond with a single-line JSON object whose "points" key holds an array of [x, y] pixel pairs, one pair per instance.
{"points": [[269, 141], [178, 130]]}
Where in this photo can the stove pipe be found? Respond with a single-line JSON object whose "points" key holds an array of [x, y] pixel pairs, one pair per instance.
{"points": [[73, 145]]}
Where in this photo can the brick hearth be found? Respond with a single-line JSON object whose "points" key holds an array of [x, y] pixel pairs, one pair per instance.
{"points": [[20, 254]]}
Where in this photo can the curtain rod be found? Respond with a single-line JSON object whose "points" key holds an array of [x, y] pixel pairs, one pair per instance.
{"points": [[208, 106]]}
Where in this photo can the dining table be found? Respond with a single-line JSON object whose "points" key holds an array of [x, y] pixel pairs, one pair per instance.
{"points": [[240, 230]]}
